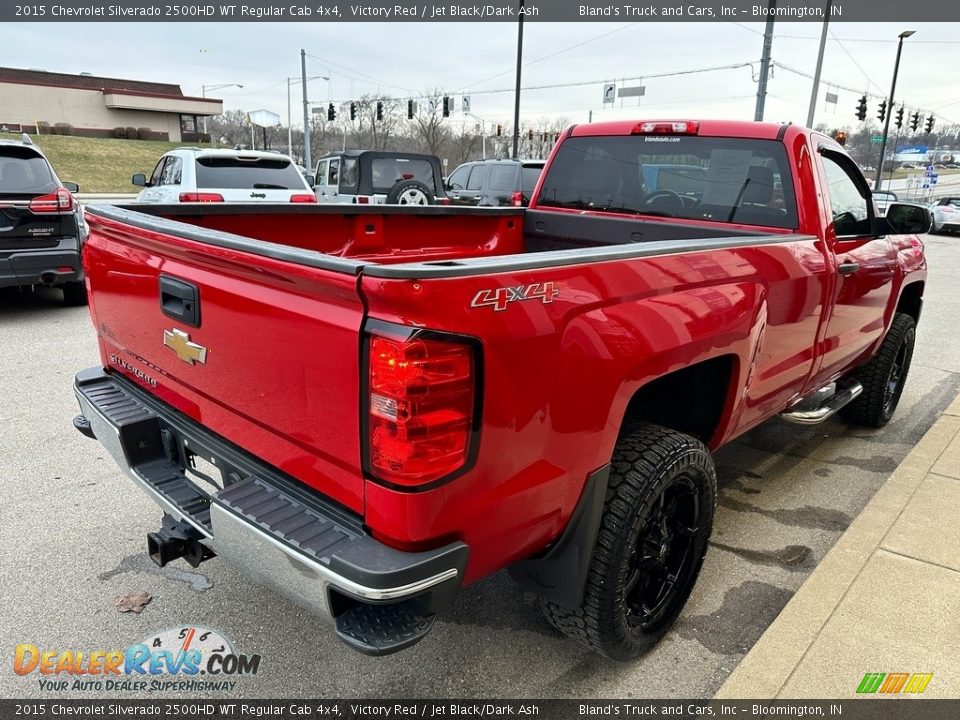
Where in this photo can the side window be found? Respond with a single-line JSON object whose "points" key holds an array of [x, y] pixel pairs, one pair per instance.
{"points": [[850, 210], [477, 176], [171, 171], [458, 180], [503, 178], [158, 172], [321, 176], [333, 177]]}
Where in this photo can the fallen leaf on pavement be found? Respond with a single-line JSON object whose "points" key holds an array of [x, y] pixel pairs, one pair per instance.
{"points": [[134, 602]]}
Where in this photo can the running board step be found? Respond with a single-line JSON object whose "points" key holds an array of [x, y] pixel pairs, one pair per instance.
{"points": [[383, 629], [843, 396]]}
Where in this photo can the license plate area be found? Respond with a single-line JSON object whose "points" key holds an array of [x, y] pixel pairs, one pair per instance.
{"points": [[202, 467]]}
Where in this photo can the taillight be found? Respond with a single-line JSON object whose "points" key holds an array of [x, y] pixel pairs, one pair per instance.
{"points": [[363, 199], [200, 197], [444, 201], [421, 406], [305, 198], [56, 202], [517, 199], [672, 127]]}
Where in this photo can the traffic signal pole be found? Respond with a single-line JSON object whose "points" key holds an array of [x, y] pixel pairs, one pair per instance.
{"points": [[816, 75], [516, 98], [886, 124]]}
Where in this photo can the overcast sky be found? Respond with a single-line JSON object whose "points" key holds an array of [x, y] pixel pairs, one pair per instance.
{"points": [[404, 59]]}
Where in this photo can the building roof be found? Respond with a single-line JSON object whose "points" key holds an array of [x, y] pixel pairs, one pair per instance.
{"points": [[86, 82]]}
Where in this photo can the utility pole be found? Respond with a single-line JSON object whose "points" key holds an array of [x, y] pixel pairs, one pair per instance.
{"points": [[886, 125], [516, 97], [765, 62], [816, 75], [307, 155]]}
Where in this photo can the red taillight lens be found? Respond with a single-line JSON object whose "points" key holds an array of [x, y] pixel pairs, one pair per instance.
{"points": [[200, 197], [363, 199], [672, 127], [56, 202], [421, 404], [517, 199], [444, 201], [305, 198]]}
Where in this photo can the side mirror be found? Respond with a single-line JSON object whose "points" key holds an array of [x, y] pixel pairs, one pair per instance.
{"points": [[71, 186], [907, 219], [311, 180], [139, 179], [455, 186]]}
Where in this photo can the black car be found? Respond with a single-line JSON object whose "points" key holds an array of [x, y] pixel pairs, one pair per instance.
{"points": [[41, 226], [493, 182]]}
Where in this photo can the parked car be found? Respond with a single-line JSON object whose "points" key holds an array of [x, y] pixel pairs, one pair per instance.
{"points": [[883, 198], [493, 182], [42, 227], [945, 214], [397, 402], [190, 174], [373, 177]]}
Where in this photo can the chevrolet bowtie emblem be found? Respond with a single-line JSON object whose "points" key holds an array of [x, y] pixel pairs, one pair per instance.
{"points": [[179, 342]]}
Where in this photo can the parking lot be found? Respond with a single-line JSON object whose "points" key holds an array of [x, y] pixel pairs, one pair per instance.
{"points": [[73, 533]]}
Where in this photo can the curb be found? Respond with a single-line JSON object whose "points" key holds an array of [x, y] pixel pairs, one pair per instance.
{"points": [[765, 670]]}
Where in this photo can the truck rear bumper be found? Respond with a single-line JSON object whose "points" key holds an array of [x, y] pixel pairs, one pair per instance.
{"points": [[271, 527]]}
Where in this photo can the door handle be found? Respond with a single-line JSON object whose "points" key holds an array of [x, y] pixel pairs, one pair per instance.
{"points": [[848, 268]]}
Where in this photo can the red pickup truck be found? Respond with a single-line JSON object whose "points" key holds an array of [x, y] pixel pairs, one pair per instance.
{"points": [[369, 408]]}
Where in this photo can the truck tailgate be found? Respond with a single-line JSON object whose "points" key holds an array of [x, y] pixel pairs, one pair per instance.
{"points": [[261, 351]]}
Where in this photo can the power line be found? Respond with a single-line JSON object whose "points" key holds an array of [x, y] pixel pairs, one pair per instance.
{"points": [[854, 61], [348, 72], [554, 54]]}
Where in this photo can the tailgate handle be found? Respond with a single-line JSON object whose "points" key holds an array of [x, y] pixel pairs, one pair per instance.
{"points": [[180, 300]]}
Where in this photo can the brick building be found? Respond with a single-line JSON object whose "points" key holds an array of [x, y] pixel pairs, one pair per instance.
{"points": [[94, 106]]}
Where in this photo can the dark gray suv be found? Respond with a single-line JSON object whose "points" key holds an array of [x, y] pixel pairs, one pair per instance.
{"points": [[493, 182]]}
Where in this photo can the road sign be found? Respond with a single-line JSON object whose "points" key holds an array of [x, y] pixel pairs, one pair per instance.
{"points": [[609, 93], [876, 139], [635, 91]]}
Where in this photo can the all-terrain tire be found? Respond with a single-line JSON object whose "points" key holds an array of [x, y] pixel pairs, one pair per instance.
{"points": [[883, 377], [74, 293], [651, 467]]}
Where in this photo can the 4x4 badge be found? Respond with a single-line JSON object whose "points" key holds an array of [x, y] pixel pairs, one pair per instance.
{"points": [[499, 298], [179, 342]]}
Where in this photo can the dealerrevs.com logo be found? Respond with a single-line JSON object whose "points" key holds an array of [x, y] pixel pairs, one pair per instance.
{"points": [[185, 659]]}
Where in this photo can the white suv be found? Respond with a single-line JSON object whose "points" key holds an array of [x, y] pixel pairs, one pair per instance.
{"points": [[190, 174]]}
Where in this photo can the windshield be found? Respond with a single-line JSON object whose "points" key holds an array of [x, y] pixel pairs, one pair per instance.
{"points": [[237, 173], [699, 178]]}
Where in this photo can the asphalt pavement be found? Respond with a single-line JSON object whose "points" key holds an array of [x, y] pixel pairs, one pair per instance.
{"points": [[72, 531]]}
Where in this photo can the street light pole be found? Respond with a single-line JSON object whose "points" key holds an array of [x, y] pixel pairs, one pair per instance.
{"points": [[886, 125], [516, 98], [203, 94], [307, 155], [291, 81], [765, 62]]}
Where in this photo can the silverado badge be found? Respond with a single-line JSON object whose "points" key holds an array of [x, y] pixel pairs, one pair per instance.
{"points": [[179, 342]]}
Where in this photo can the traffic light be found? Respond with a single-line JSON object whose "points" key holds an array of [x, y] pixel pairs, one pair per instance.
{"points": [[530, 135], [353, 111], [900, 117], [331, 113], [447, 105], [840, 136], [928, 128], [499, 129], [862, 108], [882, 111], [409, 109], [379, 111], [915, 121]]}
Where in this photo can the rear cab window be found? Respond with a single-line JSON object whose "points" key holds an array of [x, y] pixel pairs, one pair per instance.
{"points": [[24, 172], [730, 180], [503, 178], [242, 173]]}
